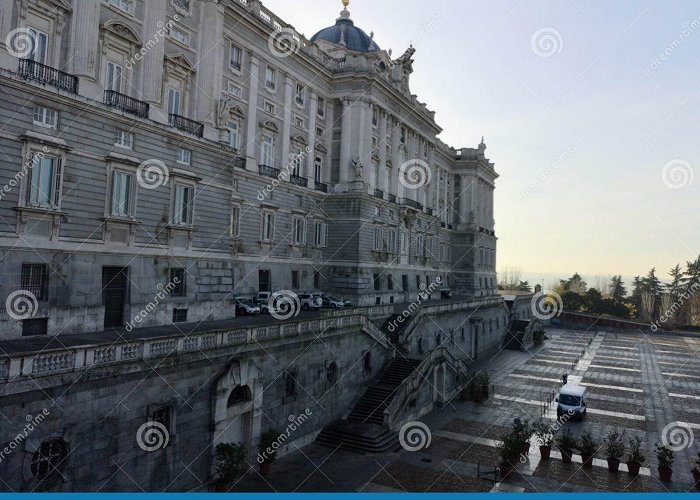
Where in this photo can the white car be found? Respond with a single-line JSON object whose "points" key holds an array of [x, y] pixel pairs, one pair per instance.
{"points": [[333, 303], [310, 301], [245, 306]]}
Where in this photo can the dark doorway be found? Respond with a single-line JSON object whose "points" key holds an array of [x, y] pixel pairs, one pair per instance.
{"points": [[263, 280], [114, 289]]}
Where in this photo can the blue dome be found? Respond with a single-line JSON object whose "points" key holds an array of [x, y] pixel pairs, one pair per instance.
{"points": [[353, 37]]}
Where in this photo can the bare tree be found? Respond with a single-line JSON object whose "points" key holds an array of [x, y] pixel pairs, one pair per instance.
{"points": [[648, 303], [602, 284], [510, 278]]}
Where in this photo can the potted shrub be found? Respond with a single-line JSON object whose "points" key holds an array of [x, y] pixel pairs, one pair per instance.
{"points": [[522, 431], [696, 471], [268, 452], [230, 458], [566, 443], [614, 450], [665, 458], [538, 337], [544, 437], [587, 445], [635, 457], [509, 450]]}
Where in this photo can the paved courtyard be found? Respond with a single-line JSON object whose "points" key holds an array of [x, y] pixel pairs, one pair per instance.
{"points": [[642, 386]]}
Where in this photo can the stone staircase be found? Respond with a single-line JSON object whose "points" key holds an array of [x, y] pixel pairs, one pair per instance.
{"points": [[395, 335], [363, 431]]}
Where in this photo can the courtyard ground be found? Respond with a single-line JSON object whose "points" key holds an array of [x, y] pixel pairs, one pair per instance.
{"points": [[640, 385]]}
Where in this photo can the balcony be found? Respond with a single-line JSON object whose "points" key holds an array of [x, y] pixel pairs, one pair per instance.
{"points": [[187, 125], [391, 198], [378, 193], [320, 186], [268, 171], [239, 162], [127, 104], [46, 75], [407, 202], [429, 211], [443, 225], [299, 180]]}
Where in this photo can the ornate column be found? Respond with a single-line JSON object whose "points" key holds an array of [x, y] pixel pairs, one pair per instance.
{"points": [[311, 155], [345, 147], [84, 38], [251, 149], [383, 182], [464, 200], [210, 70], [154, 22], [330, 120], [395, 158], [287, 120]]}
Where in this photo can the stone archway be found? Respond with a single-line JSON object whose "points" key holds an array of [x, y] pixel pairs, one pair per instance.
{"points": [[237, 407], [440, 384]]}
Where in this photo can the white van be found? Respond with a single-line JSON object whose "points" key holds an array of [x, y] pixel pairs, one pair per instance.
{"points": [[572, 400]]}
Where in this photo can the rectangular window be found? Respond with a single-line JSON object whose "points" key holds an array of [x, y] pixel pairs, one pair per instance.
{"points": [[182, 213], [39, 45], [235, 222], [392, 241], [124, 139], [270, 78], [319, 132], [317, 279], [179, 35], [233, 134], [267, 151], [121, 194], [268, 226], [233, 89], [377, 238], [299, 231], [44, 182], [375, 116], [177, 282], [300, 96], [263, 280], [35, 280], [174, 98], [295, 280], [377, 284], [113, 78], [236, 57], [179, 315], [403, 135], [318, 165], [35, 326], [321, 234], [417, 282], [45, 117], [404, 282], [390, 282], [321, 107], [184, 156], [123, 5], [269, 107]]}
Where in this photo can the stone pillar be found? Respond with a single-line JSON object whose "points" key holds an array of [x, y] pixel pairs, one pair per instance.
{"points": [[251, 149], [287, 120], [345, 175], [396, 159], [85, 39], [209, 67], [383, 181], [330, 120], [313, 104], [463, 200], [152, 63]]}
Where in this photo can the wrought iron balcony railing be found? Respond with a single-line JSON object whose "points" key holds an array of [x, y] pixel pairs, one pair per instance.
{"points": [[187, 125], [320, 186], [378, 193], [429, 211], [46, 75], [127, 104], [391, 198], [299, 180], [239, 162], [268, 171]]}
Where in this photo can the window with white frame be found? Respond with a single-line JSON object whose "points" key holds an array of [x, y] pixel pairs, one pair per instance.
{"points": [[46, 117], [124, 139], [235, 57], [39, 45], [299, 122], [233, 134], [183, 204], [269, 107], [391, 241], [268, 225], [267, 150], [299, 231], [184, 156], [375, 116], [318, 169], [179, 35], [270, 78], [44, 184], [233, 89], [114, 77], [235, 229], [296, 161], [320, 234], [378, 238], [300, 96], [121, 194], [123, 5], [174, 101], [321, 107]]}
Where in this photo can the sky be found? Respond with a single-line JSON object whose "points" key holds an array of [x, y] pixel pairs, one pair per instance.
{"points": [[589, 109]]}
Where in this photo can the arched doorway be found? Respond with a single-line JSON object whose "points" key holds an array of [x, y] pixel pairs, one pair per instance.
{"points": [[440, 392]]}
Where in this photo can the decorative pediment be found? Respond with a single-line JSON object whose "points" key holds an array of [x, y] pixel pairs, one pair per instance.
{"points": [[269, 125], [181, 61], [228, 108], [61, 4], [321, 148], [123, 31], [299, 140]]}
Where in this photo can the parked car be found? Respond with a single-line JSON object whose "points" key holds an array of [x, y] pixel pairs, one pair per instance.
{"points": [[331, 302], [309, 301], [346, 303], [572, 399], [262, 300], [445, 293], [245, 306]]}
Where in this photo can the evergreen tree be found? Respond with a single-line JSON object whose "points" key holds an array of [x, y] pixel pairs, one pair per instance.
{"points": [[617, 289]]}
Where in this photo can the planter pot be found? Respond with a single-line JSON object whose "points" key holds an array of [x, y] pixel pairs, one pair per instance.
{"points": [[613, 464], [221, 486], [696, 476], [265, 469], [545, 451], [665, 474], [565, 456], [587, 460], [633, 468]]}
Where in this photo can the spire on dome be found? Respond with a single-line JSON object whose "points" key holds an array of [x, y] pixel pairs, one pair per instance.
{"points": [[345, 13]]}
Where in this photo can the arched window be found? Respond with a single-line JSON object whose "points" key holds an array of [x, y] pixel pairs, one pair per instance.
{"points": [[50, 459], [239, 394], [332, 373]]}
